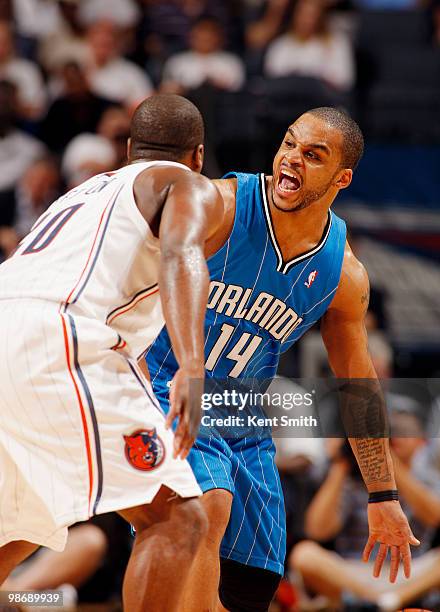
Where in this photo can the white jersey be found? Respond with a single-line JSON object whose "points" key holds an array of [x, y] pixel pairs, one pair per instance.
{"points": [[81, 432], [94, 255]]}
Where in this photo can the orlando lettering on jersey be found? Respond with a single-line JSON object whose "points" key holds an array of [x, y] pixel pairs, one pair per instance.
{"points": [[269, 312]]}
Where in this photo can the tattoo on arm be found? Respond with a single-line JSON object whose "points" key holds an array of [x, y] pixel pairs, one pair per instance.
{"points": [[364, 417], [365, 298], [372, 460]]}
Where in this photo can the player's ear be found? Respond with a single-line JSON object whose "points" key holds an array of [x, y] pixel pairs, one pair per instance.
{"points": [[344, 178], [129, 148], [198, 157]]}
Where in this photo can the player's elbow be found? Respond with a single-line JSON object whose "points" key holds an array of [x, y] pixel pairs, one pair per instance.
{"points": [[182, 261], [189, 251]]}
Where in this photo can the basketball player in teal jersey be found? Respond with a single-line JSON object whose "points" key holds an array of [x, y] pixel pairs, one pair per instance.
{"points": [[279, 263]]}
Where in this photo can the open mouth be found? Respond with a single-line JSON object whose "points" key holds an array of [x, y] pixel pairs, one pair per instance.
{"points": [[289, 181]]}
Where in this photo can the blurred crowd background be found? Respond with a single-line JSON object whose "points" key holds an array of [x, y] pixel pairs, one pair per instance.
{"points": [[71, 74]]}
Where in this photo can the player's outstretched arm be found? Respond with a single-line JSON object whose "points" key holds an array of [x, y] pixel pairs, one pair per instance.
{"points": [[192, 211], [345, 337]]}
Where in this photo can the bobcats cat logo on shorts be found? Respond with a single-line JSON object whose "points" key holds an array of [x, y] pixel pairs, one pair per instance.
{"points": [[144, 449]]}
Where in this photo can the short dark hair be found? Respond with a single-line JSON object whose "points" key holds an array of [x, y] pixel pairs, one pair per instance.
{"points": [[165, 127], [353, 140]]}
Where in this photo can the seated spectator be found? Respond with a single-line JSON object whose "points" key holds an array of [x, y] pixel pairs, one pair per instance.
{"points": [[110, 75], [89, 569], [338, 513], [18, 150], [205, 62], [125, 14], [261, 30], [34, 192], [85, 156], [115, 126], [31, 94], [167, 23], [37, 189], [36, 18], [311, 49], [84, 552], [82, 107], [64, 42]]}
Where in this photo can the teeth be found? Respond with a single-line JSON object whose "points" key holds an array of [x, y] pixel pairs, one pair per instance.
{"points": [[287, 173], [283, 181], [291, 175]]}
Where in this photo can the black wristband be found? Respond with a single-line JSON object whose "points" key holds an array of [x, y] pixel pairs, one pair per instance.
{"points": [[381, 496]]}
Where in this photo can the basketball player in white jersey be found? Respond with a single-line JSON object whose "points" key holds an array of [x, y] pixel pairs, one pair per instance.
{"points": [[81, 432]]}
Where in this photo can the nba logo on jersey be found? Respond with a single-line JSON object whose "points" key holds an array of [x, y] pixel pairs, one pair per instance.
{"points": [[311, 279]]}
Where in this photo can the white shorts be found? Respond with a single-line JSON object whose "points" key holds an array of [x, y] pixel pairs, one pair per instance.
{"points": [[81, 432]]}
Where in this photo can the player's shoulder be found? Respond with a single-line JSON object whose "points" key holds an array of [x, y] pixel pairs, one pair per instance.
{"points": [[353, 271], [228, 190], [227, 186], [353, 287]]}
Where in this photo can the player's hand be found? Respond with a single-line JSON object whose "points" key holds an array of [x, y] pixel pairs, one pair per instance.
{"points": [[185, 405], [390, 529]]}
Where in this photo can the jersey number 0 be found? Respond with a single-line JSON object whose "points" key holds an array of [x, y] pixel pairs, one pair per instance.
{"points": [[50, 229]]}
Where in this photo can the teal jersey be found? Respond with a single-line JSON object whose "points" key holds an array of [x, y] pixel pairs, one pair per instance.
{"points": [[259, 305]]}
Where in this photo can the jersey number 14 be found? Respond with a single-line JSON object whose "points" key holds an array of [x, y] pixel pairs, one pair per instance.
{"points": [[241, 352]]}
